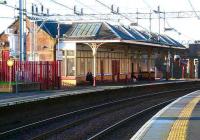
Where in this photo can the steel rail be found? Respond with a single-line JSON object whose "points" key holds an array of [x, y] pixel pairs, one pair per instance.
{"points": [[121, 122]]}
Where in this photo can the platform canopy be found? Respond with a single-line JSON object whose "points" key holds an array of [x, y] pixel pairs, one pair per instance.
{"points": [[51, 27], [103, 32]]}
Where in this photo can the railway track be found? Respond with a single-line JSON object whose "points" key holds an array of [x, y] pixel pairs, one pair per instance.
{"points": [[113, 128], [78, 117]]}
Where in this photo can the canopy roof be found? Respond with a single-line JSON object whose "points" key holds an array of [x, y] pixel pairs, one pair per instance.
{"points": [[51, 27], [105, 31]]}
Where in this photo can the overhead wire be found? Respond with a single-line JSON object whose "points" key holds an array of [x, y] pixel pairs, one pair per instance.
{"points": [[87, 6], [122, 15], [58, 3], [165, 19], [191, 5]]}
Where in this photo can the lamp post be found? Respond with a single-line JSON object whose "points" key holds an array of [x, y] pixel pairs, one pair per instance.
{"points": [[10, 63], [22, 26]]}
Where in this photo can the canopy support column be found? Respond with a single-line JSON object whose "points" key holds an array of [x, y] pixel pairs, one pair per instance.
{"points": [[94, 47]]}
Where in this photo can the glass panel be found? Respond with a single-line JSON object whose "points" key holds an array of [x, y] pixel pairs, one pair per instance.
{"points": [[109, 55], [91, 30], [78, 66], [89, 54], [78, 54], [62, 68], [70, 67], [97, 26], [98, 54], [70, 53], [82, 66], [76, 30], [86, 29], [89, 65], [81, 30], [102, 54]]}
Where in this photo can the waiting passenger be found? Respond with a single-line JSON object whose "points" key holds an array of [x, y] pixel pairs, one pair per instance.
{"points": [[89, 77], [133, 77]]}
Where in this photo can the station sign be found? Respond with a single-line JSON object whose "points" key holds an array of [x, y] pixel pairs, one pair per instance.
{"points": [[59, 55]]}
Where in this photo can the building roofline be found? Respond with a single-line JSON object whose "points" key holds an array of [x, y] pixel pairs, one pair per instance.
{"points": [[123, 41]]}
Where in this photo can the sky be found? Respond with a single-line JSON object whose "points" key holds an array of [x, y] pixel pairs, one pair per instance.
{"points": [[188, 27]]}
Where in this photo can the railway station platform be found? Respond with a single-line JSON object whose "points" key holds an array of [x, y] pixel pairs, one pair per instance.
{"points": [[8, 99], [180, 120]]}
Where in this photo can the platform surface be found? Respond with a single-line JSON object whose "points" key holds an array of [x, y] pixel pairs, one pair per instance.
{"points": [[7, 99], [180, 120]]}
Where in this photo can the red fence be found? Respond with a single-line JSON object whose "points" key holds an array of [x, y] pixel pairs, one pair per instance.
{"points": [[47, 73]]}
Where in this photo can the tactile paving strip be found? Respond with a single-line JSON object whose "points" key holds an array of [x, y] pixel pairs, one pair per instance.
{"points": [[179, 128]]}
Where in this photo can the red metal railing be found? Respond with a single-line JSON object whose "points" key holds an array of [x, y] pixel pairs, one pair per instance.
{"points": [[47, 73]]}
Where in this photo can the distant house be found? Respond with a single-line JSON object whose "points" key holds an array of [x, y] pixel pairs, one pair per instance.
{"points": [[41, 39]]}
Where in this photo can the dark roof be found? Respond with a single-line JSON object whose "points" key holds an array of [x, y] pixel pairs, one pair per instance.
{"points": [[118, 31], [106, 31], [91, 30], [135, 33], [175, 43], [51, 28]]}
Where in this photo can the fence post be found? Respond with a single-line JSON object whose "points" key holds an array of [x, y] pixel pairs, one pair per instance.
{"points": [[41, 75], [16, 78], [47, 75]]}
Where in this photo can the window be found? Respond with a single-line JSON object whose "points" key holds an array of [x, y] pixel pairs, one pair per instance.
{"points": [[70, 52], [144, 59], [89, 65], [70, 67], [82, 66]]}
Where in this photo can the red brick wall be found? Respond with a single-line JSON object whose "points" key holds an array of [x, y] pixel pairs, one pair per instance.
{"points": [[45, 43]]}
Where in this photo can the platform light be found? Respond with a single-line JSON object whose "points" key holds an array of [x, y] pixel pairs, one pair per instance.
{"points": [[134, 24], [176, 57], [195, 61], [172, 29], [10, 62], [169, 29]]}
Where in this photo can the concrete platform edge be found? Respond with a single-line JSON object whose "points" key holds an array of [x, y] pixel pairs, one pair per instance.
{"points": [[34, 98], [142, 131]]}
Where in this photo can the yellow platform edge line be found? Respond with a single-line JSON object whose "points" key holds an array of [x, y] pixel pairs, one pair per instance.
{"points": [[179, 128]]}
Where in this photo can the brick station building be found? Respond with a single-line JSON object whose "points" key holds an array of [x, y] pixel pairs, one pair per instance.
{"points": [[40, 39], [111, 52], [114, 53]]}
